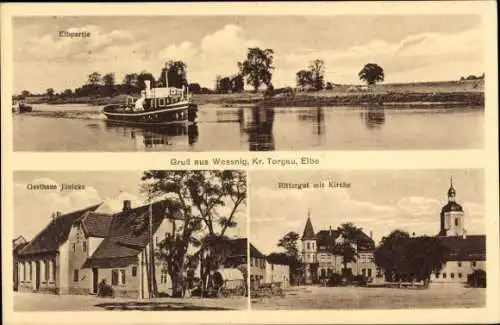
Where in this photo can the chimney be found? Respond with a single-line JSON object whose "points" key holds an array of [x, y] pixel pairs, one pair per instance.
{"points": [[371, 234], [127, 205], [55, 215]]}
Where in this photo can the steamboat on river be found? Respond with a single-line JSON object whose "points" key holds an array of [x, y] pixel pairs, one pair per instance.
{"points": [[156, 106]]}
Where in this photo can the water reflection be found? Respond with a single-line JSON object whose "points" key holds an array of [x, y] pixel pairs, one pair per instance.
{"points": [[260, 129], [374, 117], [158, 136], [317, 118]]}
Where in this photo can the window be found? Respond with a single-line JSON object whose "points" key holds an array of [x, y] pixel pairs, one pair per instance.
{"points": [[163, 276], [363, 272], [456, 221], [437, 275], [29, 270], [47, 270], [84, 246], [473, 263], [122, 277], [75, 275], [459, 264], [114, 277], [369, 273], [444, 275], [74, 247], [134, 270], [459, 275], [308, 245], [452, 275]]}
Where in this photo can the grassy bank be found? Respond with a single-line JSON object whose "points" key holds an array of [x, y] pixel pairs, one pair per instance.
{"points": [[456, 93]]}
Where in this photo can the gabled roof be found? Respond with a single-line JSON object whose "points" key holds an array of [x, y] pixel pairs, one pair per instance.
{"points": [[470, 248], [238, 247], [279, 258], [96, 224], [254, 252], [326, 238], [128, 234], [55, 233], [308, 231]]}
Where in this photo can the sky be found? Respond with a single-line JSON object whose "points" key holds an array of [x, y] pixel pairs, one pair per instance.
{"points": [[377, 201], [409, 47], [33, 208]]}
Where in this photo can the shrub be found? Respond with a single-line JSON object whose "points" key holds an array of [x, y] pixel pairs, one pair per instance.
{"points": [[477, 279]]}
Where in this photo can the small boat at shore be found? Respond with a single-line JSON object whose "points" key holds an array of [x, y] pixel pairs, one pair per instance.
{"points": [[20, 107], [156, 106]]}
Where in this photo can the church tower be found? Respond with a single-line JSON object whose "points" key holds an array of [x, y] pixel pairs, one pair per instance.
{"points": [[452, 216], [309, 249]]}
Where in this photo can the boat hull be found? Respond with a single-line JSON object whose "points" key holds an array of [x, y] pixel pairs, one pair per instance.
{"points": [[172, 114]]}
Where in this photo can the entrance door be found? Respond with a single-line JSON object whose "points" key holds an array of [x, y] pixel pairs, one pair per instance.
{"points": [[37, 275], [95, 280]]}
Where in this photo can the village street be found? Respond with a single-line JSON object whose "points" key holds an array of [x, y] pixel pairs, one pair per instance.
{"points": [[315, 297], [24, 301]]}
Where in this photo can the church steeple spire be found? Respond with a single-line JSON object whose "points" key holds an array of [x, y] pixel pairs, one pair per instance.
{"points": [[451, 191], [308, 230]]}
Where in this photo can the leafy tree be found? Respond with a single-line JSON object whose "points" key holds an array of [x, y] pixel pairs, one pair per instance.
{"points": [[353, 239], [371, 74], [50, 92], [94, 78], [290, 243], [209, 201], [25, 93], [223, 85], [317, 68], [131, 79], [67, 92], [109, 79], [425, 255], [258, 66], [304, 78], [143, 76], [194, 88], [329, 86], [237, 84], [177, 74], [390, 252], [407, 259]]}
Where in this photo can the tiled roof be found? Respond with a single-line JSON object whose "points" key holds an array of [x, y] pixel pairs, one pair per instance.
{"points": [[279, 258], [238, 247], [308, 230], [55, 233], [470, 248], [326, 239], [96, 224], [128, 233]]}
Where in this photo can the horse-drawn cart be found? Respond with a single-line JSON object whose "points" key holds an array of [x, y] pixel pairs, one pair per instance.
{"points": [[228, 282], [267, 290]]}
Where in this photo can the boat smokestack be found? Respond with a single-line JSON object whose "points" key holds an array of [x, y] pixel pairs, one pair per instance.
{"points": [[148, 88]]}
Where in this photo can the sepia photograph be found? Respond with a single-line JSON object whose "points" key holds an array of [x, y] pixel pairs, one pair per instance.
{"points": [[363, 239], [153, 240], [239, 83]]}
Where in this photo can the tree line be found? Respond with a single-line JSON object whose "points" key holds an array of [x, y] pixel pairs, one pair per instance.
{"points": [[256, 70]]}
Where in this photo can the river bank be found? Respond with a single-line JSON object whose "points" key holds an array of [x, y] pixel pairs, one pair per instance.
{"points": [[391, 99], [449, 93]]}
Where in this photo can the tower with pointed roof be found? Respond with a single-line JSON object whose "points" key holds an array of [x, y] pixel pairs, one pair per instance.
{"points": [[452, 215], [309, 248]]}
